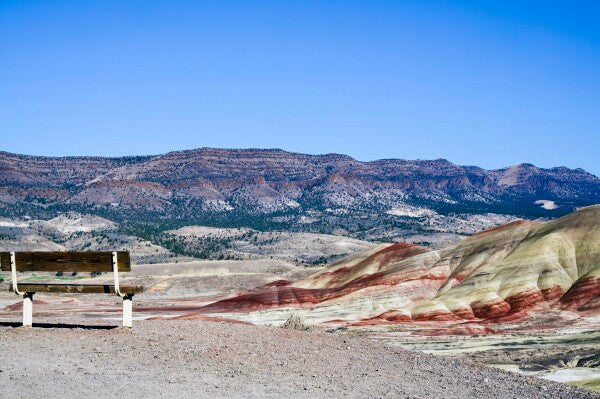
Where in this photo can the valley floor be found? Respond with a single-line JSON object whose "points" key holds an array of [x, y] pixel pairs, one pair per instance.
{"points": [[75, 349], [192, 359]]}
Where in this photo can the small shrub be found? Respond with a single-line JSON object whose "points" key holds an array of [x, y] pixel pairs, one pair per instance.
{"points": [[296, 322], [95, 274], [59, 274], [321, 261]]}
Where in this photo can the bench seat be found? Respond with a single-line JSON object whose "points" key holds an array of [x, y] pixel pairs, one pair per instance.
{"points": [[90, 261], [79, 288]]}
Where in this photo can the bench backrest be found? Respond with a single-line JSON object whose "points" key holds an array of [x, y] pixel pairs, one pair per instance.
{"points": [[65, 261]]}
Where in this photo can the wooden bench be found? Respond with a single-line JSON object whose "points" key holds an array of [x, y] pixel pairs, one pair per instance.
{"points": [[114, 262]]}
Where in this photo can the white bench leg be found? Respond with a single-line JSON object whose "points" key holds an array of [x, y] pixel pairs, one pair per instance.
{"points": [[127, 310], [28, 309]]}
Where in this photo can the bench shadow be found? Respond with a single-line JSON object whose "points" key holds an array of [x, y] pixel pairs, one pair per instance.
{"points": [[57, 325]]}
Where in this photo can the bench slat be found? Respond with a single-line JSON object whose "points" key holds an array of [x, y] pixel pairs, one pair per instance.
{"points": [[66, 261], [79, 288]]}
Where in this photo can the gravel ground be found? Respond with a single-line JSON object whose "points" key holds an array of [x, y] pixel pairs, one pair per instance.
{"points": [[200, 359]]}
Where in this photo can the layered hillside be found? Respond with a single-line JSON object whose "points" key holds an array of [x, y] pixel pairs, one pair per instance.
{"points": [[384, 200], [519, 271]]}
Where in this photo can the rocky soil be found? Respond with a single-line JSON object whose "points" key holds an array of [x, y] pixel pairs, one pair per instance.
{"points": [[192, 359]]}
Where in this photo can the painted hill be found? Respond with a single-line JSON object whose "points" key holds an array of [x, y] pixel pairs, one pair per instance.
{"points": [[521, 271]]}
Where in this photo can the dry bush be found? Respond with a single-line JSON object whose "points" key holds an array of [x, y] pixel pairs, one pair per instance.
{"points": [[296, 322]]}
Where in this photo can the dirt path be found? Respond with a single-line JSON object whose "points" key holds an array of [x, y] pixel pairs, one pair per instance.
{"points": [[199, 359]]}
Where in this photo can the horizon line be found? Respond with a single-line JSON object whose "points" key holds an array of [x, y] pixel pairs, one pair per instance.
{"points": [[249, 149]]}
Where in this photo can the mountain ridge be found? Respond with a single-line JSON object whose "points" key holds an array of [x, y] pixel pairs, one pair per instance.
{"points": [[145, 157], [273, 188]]}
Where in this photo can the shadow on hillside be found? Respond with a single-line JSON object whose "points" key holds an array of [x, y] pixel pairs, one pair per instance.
{"points": [[57, 325]]}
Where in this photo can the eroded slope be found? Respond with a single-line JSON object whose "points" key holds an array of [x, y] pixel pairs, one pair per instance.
{"points": [[515, 272]]}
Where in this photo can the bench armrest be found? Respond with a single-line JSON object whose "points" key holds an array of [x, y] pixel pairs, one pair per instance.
{"points": [[115, 264], [13, 273]]}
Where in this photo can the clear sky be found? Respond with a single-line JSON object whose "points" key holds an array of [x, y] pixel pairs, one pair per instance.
{"points": [[479, 83]]}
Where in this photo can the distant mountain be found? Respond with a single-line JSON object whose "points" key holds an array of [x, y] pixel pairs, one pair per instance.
{"points": [[275, 189]]}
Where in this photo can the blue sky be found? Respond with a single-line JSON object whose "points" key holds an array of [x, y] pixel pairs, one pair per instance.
{"points": [[479, 83]]}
